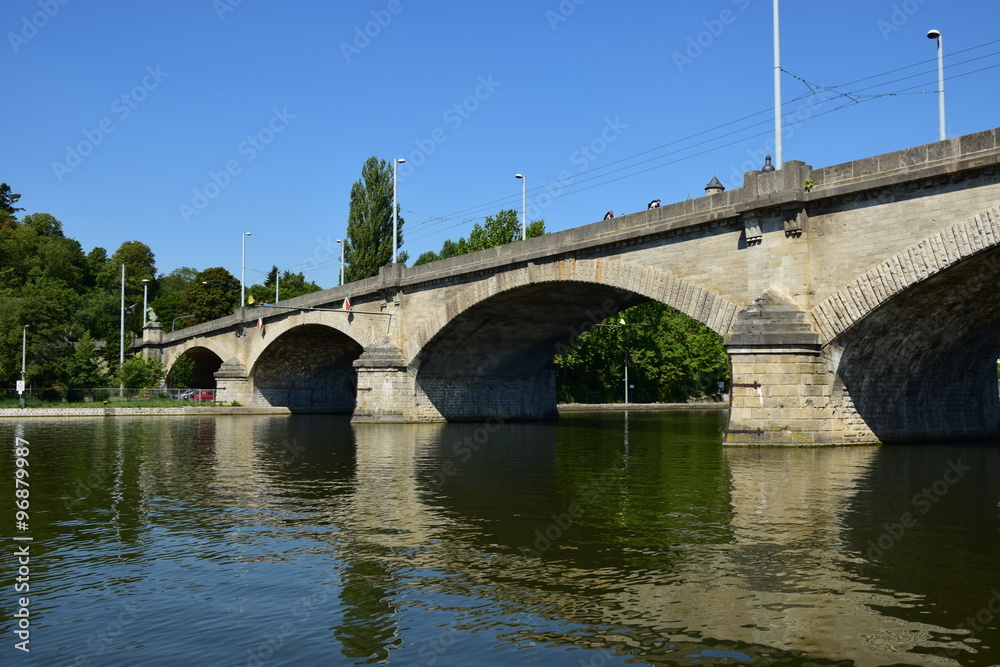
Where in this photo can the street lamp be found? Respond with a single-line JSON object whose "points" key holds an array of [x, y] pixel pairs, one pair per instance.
{"points": [[173, 326], [777, 88], [121, 348], [936, 34], [524, 220], [243, 272], [395, 164], [342, 244], [24, 356], [145, 287]]}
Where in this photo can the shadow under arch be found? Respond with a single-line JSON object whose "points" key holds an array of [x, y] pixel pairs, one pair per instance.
{"points": [[206, 363], [309, 368], [496, 357], [922, 364]]}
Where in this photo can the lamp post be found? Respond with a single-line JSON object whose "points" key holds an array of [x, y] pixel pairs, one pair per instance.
{"points": [[145, 288], [524, 220], [243, 272], [342, 244], [173, 326], [777, 89], [24, 357], [936, 34], [121, 348], [395, 164]]}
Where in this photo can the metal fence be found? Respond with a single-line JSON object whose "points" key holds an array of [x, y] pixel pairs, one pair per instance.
{"points": [[103, 395]]}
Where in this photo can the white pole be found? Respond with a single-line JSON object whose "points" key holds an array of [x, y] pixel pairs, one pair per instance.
{"points": [[777, 89], [524, 219], [145, 300], [277, 292], [24, 356], [342, 243], [121, 348], [395, 233], [626, 378], [243, 271], [940, 59], [24, 349]]}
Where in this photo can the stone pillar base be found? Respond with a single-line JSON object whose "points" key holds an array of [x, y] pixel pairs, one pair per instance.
{"points": [[785, 387], [232, 384], [389, 391]]}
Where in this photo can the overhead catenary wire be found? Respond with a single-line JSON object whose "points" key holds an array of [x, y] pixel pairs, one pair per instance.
{"points": [[435, 224]]}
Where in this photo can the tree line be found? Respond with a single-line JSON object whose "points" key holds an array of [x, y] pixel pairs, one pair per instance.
{"points": [[70, 301]]}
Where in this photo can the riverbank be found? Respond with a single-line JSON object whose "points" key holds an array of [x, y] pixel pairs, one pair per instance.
{"points": [[251, 410], [602, 407], [142, 412]]}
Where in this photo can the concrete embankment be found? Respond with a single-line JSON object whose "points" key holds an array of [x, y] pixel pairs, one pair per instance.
{"points": [[141, 412], [250, 410]]}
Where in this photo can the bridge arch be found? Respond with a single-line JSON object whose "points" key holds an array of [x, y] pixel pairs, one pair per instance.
{"points": [[308, 368], [496, 347], [915, 339], [611, 286], [206, 363]]}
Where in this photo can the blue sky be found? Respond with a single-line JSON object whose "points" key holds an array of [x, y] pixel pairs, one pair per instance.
{"points": [[183, 124]]}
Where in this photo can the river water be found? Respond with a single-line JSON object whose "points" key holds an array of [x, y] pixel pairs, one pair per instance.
{"points": [[604, 539]]}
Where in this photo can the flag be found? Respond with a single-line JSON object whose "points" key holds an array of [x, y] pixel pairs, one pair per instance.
{"points": [[347, 303], [250, 299]]}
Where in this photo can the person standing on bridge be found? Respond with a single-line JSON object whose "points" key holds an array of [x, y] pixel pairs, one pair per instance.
{"points": [[609, 215], [654, 204]]}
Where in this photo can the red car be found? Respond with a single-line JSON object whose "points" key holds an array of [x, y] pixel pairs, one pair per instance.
{"points": [[202, 396]]}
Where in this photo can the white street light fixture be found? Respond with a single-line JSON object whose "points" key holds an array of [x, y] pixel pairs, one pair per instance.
{"points": [[524, 220], [936, 34], [173, 327], [395, 164], [342, 244], [243, 273]]}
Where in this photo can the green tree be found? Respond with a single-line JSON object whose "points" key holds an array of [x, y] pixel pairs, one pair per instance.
{"points": [[181, 372], [369, 222], [47, 308], [215, 293], [671, 358], [84, 367], [170, 290], [140, 373], [289, 286], [8, 199], [501, 229]]}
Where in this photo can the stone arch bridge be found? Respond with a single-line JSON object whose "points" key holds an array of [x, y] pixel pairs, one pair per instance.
{"points": [[862, 308]]}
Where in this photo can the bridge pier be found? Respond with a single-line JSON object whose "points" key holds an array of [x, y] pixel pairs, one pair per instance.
{"points": [[232, 384], [387, 388], [391, 391], [785, 386]]}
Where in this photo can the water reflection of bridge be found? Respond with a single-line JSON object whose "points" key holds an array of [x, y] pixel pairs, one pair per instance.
{"points": [[777, 582]]}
